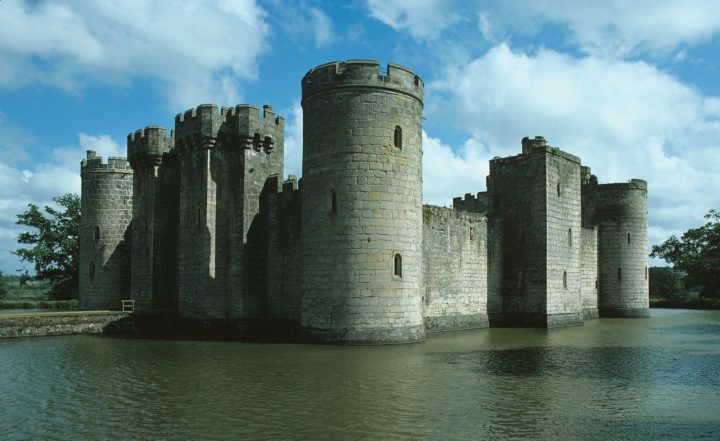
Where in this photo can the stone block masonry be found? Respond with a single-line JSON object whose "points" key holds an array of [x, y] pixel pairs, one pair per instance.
{"points": [[200, 228], [455, 269]]}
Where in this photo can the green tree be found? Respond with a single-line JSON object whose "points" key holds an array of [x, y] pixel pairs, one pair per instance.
{"points": [[697, 253], [53, 244], [667, 283], [3, 286]]}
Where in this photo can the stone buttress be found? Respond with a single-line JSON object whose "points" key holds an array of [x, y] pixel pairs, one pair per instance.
{"points": [[106, 207], [362, 204], [155, 212]]}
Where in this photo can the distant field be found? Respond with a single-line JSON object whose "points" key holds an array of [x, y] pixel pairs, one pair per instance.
{"points": [[33, 295]]}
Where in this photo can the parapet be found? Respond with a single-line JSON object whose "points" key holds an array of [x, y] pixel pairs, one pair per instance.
{"points": [[150, 143], [633, 184], [472, 203], [537, 145], [94, 163], [361, 74], [206, 123]]}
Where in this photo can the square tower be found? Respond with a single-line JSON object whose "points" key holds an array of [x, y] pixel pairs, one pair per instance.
{"points": [[535, 237], [225, 157]]}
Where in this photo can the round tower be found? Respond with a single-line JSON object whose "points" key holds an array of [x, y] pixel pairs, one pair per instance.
{"points": [[106, 211], [620, 212], [362, 204]]}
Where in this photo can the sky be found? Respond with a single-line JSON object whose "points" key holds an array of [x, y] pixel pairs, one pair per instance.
{"points": [[629, 86]]}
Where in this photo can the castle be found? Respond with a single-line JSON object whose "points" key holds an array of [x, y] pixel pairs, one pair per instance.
{"points": [[198, 225]]}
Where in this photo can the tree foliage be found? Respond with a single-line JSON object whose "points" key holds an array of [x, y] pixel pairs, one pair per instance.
{"points": [[697, 253], [667, 283], [3, 287], [53, 244]]}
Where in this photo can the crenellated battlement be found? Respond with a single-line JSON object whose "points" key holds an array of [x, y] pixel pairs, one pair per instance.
{"points": [[361, 74], [534, 146], [472, 203], [252, 129], [94, 163], [150, 143], [200, 124], [633, 184], [244, 124]]}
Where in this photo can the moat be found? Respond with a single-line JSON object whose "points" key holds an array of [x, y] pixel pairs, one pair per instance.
{"points": [[656, 378]]}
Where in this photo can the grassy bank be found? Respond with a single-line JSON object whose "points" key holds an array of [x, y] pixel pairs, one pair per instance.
{"points": [[41, 304], [33, 294], [686, 303]]}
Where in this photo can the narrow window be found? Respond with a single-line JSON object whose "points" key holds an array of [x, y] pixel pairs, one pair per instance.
{"points": [[257, 142], [332, 202], [91, 272], [521, 278], [628, 237], [398, 137], [97, 232], [472, 233], [619, 274], [398, 265], [268, 143], [596, 284], [565, 279], [569, 236], [558, 189], [645, 273]]}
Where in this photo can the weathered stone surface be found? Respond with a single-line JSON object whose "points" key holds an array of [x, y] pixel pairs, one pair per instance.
{"points": [[455, 269]]}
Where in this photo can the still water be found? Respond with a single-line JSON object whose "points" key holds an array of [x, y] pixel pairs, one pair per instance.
{"points": [[649, 379]]}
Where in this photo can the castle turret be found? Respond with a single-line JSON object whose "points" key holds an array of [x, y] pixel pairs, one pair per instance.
{"points": [[106, 207], [535, 237], [225, 159], [154, 235], [620, 213], [362, 204]]}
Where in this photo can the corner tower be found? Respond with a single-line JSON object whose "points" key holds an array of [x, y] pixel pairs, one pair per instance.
{"points": [[362, 204], [106, 207], [620, 213]]}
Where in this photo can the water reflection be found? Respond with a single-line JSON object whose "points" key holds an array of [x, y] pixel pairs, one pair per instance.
{"points": [[611, 379]]}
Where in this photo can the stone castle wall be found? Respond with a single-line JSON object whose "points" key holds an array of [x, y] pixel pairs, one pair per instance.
{"points": [[284, 262], [455, 269], [589, 272], [106, 207], [348, 254]]}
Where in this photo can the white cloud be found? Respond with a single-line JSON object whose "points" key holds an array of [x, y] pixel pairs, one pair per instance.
{"points": [[74, 42], [301, 21], [609, 28], [420, 18], [447, 174], [625, 119], [618, 27], [56, 175]]}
